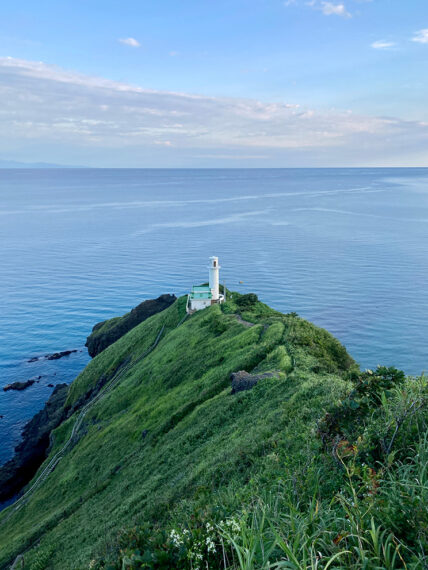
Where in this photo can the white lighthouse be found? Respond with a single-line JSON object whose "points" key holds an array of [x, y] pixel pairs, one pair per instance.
{"points": [[214, 276], [203, 296]]}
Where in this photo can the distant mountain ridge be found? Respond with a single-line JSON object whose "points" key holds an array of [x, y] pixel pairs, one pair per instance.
{"points": [[17, 164]]}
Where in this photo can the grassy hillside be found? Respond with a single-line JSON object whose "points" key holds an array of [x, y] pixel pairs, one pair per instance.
{"points": [[169, 469]]}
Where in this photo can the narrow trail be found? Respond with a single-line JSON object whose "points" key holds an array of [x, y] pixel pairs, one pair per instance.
{"points": [[245, 323], [79, 420]]}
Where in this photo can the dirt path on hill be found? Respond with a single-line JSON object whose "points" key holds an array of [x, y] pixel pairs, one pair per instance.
{"points": [[245, 323]]}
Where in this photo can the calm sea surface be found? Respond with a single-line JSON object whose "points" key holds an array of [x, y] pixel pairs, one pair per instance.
{"points": [[344, 248]]}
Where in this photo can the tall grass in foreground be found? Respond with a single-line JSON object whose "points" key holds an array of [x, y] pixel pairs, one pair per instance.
{"points": [[354, 530], [376, 519]]}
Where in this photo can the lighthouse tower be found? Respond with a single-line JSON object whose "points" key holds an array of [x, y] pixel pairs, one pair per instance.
{"points": [[214, 280], [203, 296]]}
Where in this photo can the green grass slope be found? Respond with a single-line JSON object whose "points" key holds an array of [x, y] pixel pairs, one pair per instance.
{"points": [[168, 446]]}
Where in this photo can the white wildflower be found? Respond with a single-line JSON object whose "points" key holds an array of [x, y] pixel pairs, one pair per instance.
{"points": [[176, 539], [210, 544], [233, 525]]}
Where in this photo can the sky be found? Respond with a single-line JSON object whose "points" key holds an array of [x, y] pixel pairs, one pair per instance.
{"points": [[198, 83]]}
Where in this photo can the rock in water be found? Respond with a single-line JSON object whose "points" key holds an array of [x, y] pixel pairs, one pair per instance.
{"points": [[53, 356], [32, 450], [107, 332], [18, 385], [57, 355]]}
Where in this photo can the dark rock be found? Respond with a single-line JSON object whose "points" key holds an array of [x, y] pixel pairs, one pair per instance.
{"points": [[58, 355], [1, 417], [34, 359], [32, 450], [242, 380], [18, 385], [50, 385], [107, 332]]}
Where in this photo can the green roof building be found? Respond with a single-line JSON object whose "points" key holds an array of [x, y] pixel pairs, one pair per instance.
{"points": [[203, 296]]}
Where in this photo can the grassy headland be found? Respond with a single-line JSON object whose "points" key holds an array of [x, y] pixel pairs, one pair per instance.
{"points": [[318, 466]]}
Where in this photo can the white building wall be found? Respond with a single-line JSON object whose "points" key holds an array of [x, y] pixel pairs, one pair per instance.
{"points": [[198, 304]]}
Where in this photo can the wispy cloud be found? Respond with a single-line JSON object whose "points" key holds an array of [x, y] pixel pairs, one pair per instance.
{"points": [[327, 8], [130, 42], [382, 44], [421, 37], [43, 106], [330, 9]]}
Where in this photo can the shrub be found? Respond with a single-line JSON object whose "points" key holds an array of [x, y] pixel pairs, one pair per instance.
{"points": [[366, 415], [246, 301], [42, 558]]}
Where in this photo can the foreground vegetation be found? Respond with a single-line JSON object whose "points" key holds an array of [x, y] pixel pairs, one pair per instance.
{"points": [[319, 466]]}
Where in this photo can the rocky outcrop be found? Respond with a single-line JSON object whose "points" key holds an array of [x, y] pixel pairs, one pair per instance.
{"points": [[107, 332], [58, 355], [18, 385], [242, 380], [53, 356], [32, 450]]}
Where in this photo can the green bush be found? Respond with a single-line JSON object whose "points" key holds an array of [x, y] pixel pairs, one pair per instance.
{"points": [[376, 414], [41, 558], [246, 301]]}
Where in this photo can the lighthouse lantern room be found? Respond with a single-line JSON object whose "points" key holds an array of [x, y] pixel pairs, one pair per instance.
{"points": [[203, 296]]}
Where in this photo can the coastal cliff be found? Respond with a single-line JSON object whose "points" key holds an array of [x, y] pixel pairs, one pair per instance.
{"points": [[32, 450], [107, 332], [35, 438], [191, 435]]}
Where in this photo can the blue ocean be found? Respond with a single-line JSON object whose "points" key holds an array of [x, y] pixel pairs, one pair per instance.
{"points": [[345, 248]]}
